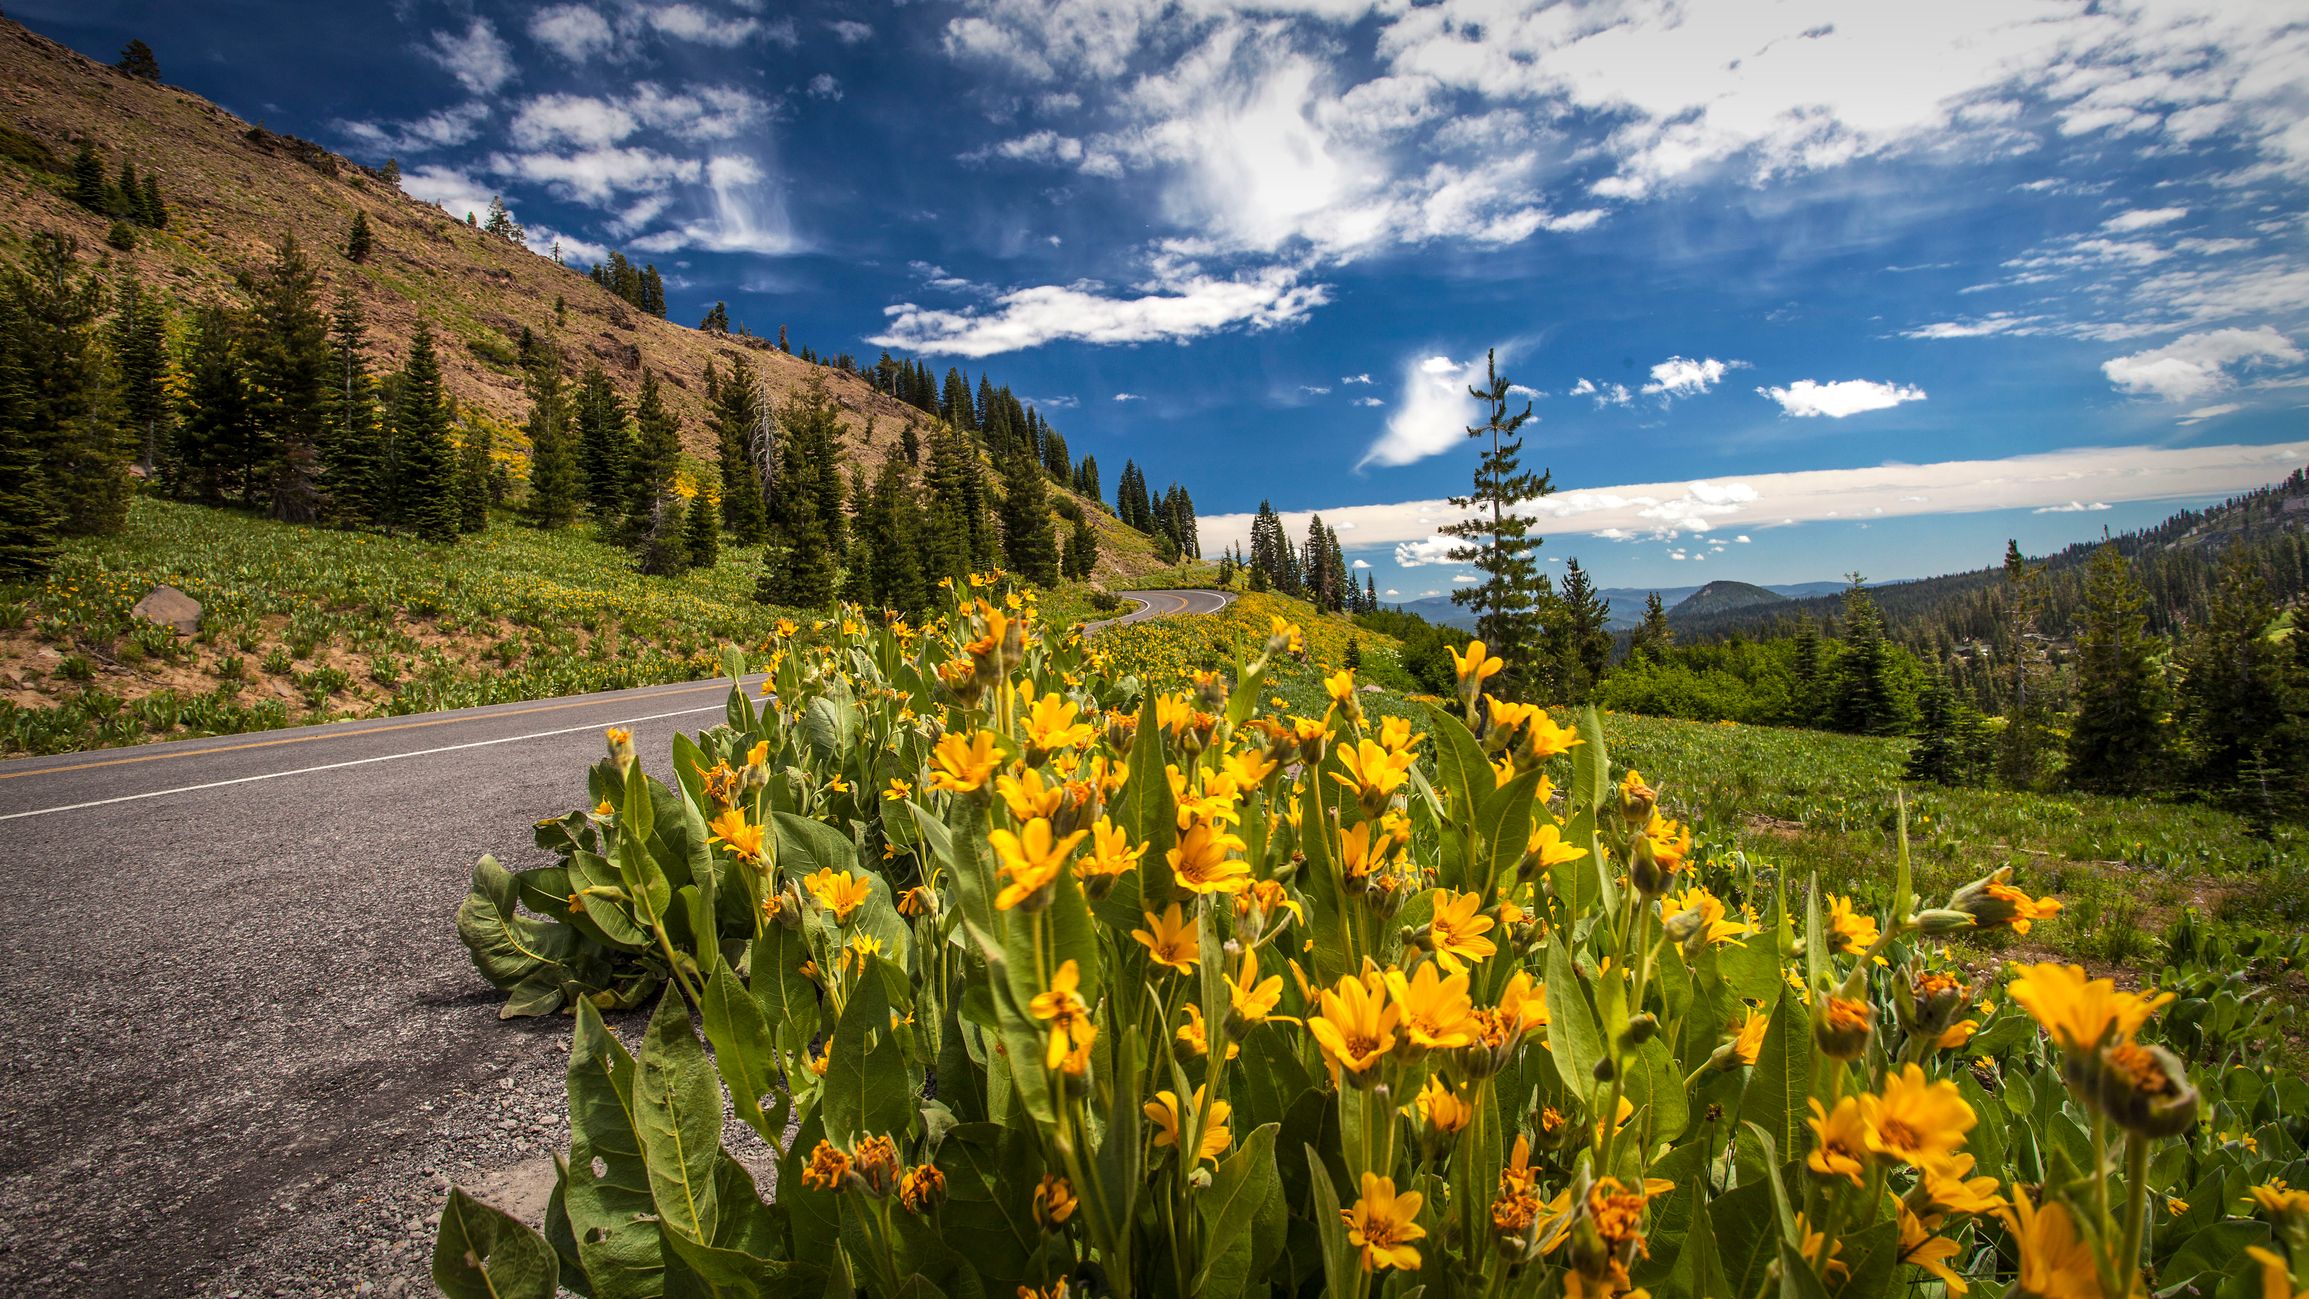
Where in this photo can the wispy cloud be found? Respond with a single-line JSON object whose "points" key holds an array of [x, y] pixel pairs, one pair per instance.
{"points": [[1188, 306], [477, 57], [2195, 365]]}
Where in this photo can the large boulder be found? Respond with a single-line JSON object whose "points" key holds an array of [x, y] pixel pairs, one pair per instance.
{"points": [[170, 608]]}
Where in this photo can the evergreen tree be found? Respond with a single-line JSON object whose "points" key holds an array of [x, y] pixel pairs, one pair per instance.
{"points": [[652, 292], [390, 173], [802, 566], [1029, 540], [2115, 744], [556, 480], [1509, 598], [717, 320], [1086, 480], [29, 519], [136, 59], [1081, 551], [909, 444], [62, 399], [88, 187], [2233, 694], [1654, 636], [603, 443], [962, 538], [704, 533], [474, 470], [288, 373], [358, 242], [2020, 753], [744, 436], [125, 193], [424, 490], [150, 209], [1867, 696], [1939, 754], [501, 222], [140, 369], [355, 471], [1582, 633], [892, 516], [1806, 674], [652, 512], [216, 435]]}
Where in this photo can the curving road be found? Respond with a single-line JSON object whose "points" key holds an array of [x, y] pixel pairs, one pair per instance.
{"points": [[1164, 604]]}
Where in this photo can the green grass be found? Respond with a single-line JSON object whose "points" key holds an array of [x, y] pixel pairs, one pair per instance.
{"points": [[310, 624]]}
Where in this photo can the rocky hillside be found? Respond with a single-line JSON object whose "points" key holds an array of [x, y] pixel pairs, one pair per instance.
{"points": [[233, 188]]}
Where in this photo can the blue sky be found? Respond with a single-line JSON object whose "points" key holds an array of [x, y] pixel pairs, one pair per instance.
{"points": [[1795, 288]]}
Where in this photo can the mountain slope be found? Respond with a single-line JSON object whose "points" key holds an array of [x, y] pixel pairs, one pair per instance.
{"points": [[1724, 597], [233, 189]]}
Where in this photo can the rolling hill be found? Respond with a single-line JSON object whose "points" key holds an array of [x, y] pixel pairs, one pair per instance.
{"points": [[234, 188]]}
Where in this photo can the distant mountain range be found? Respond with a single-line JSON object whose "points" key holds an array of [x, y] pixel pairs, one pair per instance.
{"points": [[1627, 602]]}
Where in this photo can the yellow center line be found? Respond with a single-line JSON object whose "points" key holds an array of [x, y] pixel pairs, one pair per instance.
{"points": [[338, 735]]}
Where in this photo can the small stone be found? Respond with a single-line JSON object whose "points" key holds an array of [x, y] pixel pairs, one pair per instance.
{"points": [[170, 608]]}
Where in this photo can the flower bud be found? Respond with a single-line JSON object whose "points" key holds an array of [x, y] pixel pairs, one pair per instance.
{"points": [[1939, 922], [1642, 1029], [1644, 868], [620, 746], [1841, 1025], [1685, 926], [2146, 1089]]}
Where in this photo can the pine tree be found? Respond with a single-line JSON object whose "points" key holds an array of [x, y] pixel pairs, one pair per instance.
{"points": [[424, 490], [1081, 551], [2020, 753], [1867, 697], [652, 511], [603, 444], [474, 470], [1805, 674], [891, 514], [501, 222], [358, 242], [390, 173], [125, 193], [909, 444], [802, 566], [555, 479], [354, 470], [1509, 598], [1936, 756], [29, 519], [288, 368], [215, 435], [140, 369], [2233, 688], [150, 209], [1583, 633], [136, 59], [703, 533], [652, 292], [717, 320], [744, 437], [1655, 635], [1029, 540], [962, 538], [2115, 744], [88, 187], [75, 433]]}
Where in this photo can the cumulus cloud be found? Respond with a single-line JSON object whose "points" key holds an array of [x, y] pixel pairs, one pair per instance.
{"points": [[688, 22], [1355, 378], [1432, 414], [850, 32], [599, 175], [448, 188], [1809, 397], [2143, 219], [2094, 475], [1683, 377], [445, 129], [1128, 396], [574, 31], [478, 58], [1181, 306], [824, 86], [2195, 365]]}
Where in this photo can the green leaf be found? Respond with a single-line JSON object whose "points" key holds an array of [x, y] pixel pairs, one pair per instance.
{"points": [[742, 1050], [677, 1114], [483, 1254], [1506, 828], [1146, 810], [507, 947], [1339, 1270], [1465, 778], [1572, 1038], [788, 1001], [1230, 1206], [867, 1088], [1781, 1080], [610, 1209]]}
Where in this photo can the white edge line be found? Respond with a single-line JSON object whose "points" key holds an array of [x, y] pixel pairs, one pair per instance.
{"points": [[361, 762]]}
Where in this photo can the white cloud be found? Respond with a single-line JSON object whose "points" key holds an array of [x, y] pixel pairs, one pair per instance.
{"points": [[2203, 413], [575, 119], [1315, 389], [1683, 377], [1128, 396], [1995, 322], [574, 251], [2143, 219], [445, 129], [1390, 591], [1355, 378], [1433, 413], [2070, 507], [479, 59], [2194, 365], [1369, 401], [690, 23], [574, 31], [1607, 394], [451, 190], [850, 32], [1809, 397], [824, 86], [1464, 579], [597, 176], [744, 213], [1179, 306], [1360, 563], [2103, 475]]}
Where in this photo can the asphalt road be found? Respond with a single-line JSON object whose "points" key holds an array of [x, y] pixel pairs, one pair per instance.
{"points": [[246, 1052], [1163, 604]]}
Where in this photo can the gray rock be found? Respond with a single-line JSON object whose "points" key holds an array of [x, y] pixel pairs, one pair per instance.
{"points": [[170, 608]]}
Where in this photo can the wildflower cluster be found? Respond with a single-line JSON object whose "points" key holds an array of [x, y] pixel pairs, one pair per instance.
{"points": [[1040, 981]]}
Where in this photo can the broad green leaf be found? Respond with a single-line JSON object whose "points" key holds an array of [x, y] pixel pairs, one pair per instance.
{"points": [[867, 1091], [1239, 1189], [1462, 775], [507, 947], [608, 1196], [742, 1049], [1781, 1079], [1506, 828], [677, 1113], [483, 1254], [1572, 1038]]}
